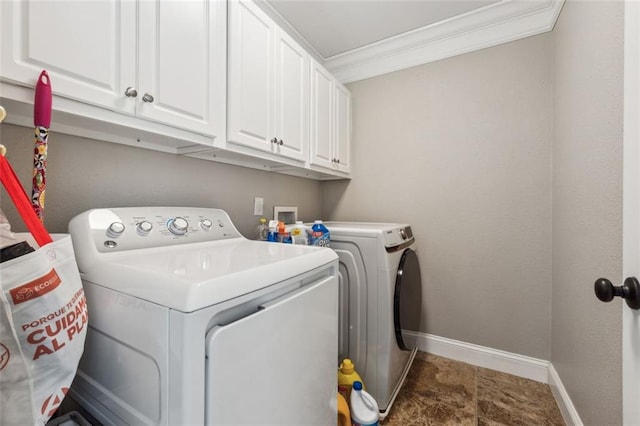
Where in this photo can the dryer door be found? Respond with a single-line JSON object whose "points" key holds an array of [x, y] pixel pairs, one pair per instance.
{"points": [[407, 300]]}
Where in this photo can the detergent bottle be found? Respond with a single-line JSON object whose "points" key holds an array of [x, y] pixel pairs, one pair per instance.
{"points": [[299, 233], [347, 375], [272, 235], [319, 234], [364, 408], [344, 414]]}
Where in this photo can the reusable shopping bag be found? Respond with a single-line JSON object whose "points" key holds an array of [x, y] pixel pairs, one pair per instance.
{"points": [[43, 319]]}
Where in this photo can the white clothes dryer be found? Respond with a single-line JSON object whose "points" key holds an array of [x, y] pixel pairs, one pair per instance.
{"points": [[191, 323], [380, 296]]}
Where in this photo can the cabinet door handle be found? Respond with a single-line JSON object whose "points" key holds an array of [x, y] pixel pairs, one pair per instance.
{"points": [[147, 98], [338, 160], [274, 140], [280, 142], [131, 92]]}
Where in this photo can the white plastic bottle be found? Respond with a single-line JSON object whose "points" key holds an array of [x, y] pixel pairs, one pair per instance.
{"points": [[299, 233], [364, 408]]}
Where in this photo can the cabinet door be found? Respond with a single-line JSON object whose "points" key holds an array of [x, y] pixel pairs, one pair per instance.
{"points": [[292, 98], [250, 80], [322, 108], [181, 62], [342, 128], [88, 48]]}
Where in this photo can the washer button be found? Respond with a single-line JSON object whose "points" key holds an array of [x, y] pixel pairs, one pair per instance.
{"points": [[144, 227], [178, 226], [115, 229]]}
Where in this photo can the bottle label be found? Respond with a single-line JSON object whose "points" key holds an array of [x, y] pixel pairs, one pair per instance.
{"points": [[345, 390], [320, 238]]}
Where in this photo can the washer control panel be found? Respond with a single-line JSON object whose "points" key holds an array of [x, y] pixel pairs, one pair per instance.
{"points": [[129, 228]]}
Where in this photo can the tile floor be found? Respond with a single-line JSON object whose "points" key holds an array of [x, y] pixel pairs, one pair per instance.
{"points": [[440, 391]]}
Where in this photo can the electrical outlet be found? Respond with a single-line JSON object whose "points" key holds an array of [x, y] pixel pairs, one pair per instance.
{"points": [[258, 206]]}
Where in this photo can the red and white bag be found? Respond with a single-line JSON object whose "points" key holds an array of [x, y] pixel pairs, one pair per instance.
{"points": [[43, 320]]}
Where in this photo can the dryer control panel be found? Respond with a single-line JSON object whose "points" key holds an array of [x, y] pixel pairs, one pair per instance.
{"points": [[130, 228], [398, 238]]}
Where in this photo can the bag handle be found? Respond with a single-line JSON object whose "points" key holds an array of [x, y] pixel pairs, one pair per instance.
{"points": [[21, 201]]}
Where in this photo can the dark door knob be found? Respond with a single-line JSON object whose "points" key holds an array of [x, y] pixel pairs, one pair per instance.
{"points": [[630, 291]]}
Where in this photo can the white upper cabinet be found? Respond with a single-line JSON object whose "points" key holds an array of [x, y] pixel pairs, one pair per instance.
{"points": [[322, 96], [182, 64], [250, 80], [342, 145], [292, 97], [330, 122], [212, 79], [268, 85], [161, 60], [88, 48]]}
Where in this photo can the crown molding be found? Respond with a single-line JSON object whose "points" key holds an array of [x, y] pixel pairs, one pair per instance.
{"points": [[491, 25]]}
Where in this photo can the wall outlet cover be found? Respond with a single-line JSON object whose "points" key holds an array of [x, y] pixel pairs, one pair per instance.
{"points": [[258, 206]]}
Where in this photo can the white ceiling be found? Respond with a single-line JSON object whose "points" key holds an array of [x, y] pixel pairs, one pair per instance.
{"points": [[338, 26]]}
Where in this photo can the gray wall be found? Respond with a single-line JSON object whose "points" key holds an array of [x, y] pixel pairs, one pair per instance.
{"points": [[486, 154], [461, 149], [84, 174], [587, 206]]}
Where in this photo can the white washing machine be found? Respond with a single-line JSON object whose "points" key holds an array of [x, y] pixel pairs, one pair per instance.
{"points": [[191, 323], [380, 296]]}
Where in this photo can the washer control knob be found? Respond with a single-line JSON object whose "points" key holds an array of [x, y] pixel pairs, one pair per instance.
{"points": [[178, 225], [144, 227], [403, 234], [115, 229], [206, 224]]}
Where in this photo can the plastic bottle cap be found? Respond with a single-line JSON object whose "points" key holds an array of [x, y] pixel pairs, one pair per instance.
{"points": [[263, 220], [357, 385], [347, 366]]}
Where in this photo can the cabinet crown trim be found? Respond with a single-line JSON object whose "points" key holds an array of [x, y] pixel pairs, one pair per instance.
{"points": [[497, 23]]}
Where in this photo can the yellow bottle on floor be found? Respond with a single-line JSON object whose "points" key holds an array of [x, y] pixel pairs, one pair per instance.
{"points": [[344, 415], [346, 376]]}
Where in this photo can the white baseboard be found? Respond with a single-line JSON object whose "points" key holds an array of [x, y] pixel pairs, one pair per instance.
{"points": [[567, 409], [506, 362]]}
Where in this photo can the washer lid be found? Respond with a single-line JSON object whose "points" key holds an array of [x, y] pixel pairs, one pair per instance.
{"points": [[193, 276]]}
